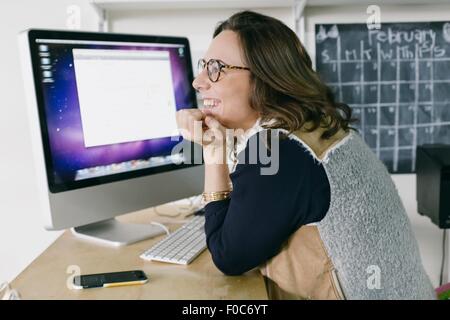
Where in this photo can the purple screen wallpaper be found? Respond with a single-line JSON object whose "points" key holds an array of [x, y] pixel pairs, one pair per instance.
{"points": [[62, 113]]}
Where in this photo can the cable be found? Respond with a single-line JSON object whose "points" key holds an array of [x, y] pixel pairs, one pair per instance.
{"points": [[8, 293], [441, 278], [194, 203], [173, 221], [183, 209], [197, 202], [159, 213], [162, 227]]}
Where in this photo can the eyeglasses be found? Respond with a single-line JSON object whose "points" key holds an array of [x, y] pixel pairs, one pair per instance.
{"points": [[214, 68]]}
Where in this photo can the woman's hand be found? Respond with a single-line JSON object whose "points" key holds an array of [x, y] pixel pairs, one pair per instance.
{"points": [[205, 130], [190, 124], [215, 148]]}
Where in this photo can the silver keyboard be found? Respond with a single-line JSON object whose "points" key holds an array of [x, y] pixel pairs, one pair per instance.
{"points": [[182, 246]]}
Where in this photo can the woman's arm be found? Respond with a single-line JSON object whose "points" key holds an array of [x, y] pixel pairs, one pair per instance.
{"points": [[196, 126], [265, 210], [217, 177], [216, 167]]}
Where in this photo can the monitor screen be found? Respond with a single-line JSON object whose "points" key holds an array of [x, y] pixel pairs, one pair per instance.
{"points": [[107, 104]]}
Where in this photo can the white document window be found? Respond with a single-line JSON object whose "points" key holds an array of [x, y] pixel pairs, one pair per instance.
{"points": [[124, 95]]}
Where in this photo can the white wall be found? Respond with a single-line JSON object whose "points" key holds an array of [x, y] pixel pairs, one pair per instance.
{"points": [[22, 237], [427, 234], [196, 24]]}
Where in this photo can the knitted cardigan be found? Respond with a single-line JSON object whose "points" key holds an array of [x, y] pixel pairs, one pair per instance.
{"points": [[366, 231]]}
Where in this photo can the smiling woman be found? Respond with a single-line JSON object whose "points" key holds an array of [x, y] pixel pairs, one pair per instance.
{"points": [[329, 214], [224, 83]]}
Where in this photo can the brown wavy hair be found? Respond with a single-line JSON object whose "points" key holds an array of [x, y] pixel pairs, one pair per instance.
{"points": [[286, 89]]}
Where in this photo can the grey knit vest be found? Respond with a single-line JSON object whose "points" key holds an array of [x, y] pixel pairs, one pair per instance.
{"points": [[366, 231]]}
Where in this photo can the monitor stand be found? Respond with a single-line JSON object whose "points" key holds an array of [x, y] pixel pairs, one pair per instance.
{"points": [[115, 233]]}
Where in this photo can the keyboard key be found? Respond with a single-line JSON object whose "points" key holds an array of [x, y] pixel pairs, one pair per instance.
{"points": [[182, 246]]}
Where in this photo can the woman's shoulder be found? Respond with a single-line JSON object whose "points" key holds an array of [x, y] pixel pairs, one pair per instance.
{"points": [[275, 161], [276, 145]]}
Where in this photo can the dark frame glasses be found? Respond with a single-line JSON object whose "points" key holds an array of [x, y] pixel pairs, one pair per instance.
{"points": [[214, 68]]}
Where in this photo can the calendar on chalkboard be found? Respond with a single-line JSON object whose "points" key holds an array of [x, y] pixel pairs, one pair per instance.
{"points": [[397, 81]]}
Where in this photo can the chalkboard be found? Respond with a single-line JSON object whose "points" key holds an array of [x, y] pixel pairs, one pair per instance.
{"points": [[397, 81]]}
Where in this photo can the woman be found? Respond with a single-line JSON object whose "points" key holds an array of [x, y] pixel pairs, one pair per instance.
{"points": [[327, 223]]}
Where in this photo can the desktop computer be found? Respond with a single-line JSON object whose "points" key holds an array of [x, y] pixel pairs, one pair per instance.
{"points": [[102, 119]]}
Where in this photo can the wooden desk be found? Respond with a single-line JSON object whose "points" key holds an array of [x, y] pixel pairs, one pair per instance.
{"points": [[46, 277]]}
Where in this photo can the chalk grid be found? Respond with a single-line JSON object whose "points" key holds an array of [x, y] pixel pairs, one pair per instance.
{"points": [[424, 118]]}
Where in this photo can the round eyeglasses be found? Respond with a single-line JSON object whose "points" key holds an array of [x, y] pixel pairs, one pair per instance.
{"points": [[214, 68]]}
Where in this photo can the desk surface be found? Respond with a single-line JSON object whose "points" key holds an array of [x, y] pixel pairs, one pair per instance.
{"points": [[47, 276]]}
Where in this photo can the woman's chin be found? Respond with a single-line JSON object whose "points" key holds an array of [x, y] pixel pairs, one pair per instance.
{"points": [[217, 113], [212, 111]]}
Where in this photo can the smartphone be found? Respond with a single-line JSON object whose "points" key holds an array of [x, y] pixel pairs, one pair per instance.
{"points": [[111, 279]]}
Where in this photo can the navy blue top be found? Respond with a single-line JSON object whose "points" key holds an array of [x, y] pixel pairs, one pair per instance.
{"points": [[263, 211]]}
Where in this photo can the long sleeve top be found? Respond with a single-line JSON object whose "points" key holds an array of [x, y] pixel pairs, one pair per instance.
{"points": [[264, 210]]}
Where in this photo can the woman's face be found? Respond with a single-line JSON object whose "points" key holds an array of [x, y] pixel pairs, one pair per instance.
{"points": [[227, 99]]}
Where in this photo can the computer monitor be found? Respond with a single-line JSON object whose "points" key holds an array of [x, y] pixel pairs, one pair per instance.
{"points": [[102, 119]]}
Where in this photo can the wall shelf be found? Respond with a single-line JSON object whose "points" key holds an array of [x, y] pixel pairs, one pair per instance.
{"points": [[242, 4], [188, 4], [104, 7]]}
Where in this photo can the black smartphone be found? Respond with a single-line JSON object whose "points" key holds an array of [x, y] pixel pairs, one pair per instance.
{"points": [[111, 279]]}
